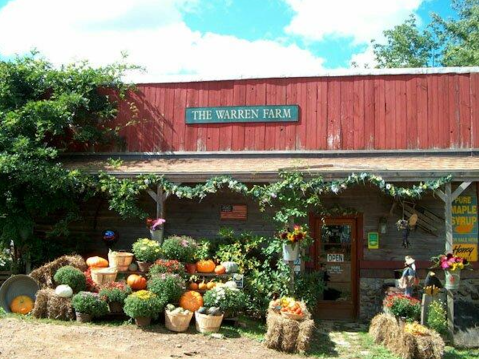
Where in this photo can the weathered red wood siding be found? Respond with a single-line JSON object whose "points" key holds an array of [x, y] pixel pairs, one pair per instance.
{"points": [[437, 111]]}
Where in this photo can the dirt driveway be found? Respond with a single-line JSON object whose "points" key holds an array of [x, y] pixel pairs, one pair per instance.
{"points": [[32, 339]]}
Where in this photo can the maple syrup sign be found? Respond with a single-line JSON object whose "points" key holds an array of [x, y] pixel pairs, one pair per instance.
{"points": [[465, 227], [234, 212]]}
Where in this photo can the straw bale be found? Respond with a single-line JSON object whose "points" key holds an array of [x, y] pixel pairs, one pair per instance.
{"points": [[60, 308], [383, 327], [41, 303], [44, 275], [306, 329], [275, 330], [290, 335], [430, 346]]}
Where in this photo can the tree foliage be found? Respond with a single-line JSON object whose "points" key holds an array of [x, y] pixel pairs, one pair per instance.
{"points": [[44, 110], [444, 42]]}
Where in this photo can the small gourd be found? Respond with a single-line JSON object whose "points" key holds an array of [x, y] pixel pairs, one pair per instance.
{"points": [[205, 266], [230, 267], [133, 267], [214, 311], [96, 262], [210, 285], [220, 269], [64, 291], [202, 286], [203, 310], [193, 286]]}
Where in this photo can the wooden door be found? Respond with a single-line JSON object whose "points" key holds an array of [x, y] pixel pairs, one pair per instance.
{"points": [[336, 255]]}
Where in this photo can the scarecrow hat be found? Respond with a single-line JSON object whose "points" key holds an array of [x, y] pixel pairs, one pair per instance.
{"points": [[409, 260]]}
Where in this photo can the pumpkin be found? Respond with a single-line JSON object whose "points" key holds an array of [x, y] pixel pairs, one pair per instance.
{"points": [[136, 281], [220, 269], [231, 267], [202, 286], [205, 266], [64, 291], [210, 285], [133, 267], [96, 262], [191, 300], [22, 304], [193, 286]]}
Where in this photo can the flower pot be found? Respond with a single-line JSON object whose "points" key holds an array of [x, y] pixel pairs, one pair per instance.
{"points": [[208, 323], [290, 253], [177, 322], [156, 235], [453, 279], [144, 266], [115, 307], [190, 268], [83, 317], [143, 321], [120, 260]]}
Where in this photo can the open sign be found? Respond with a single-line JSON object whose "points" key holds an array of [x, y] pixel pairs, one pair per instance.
{"points": [[335, 257]]}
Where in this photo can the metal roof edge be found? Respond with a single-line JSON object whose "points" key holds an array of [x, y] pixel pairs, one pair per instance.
{"points": [[322, 73]]}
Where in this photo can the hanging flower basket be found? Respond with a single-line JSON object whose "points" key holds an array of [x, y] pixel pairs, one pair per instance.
{"points": [[453, 279], [290, 253]]}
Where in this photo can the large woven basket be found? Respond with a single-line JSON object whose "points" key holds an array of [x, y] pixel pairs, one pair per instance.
{"points": [[177, 322], [120, 260], [208, 323], [292, 316], [103, 275]]}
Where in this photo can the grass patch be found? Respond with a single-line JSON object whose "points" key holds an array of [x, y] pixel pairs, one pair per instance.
{"points": [[453, 353]]}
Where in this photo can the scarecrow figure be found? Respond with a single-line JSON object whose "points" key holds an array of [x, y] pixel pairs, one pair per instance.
{"points": [[406, 226], [409, 276]]}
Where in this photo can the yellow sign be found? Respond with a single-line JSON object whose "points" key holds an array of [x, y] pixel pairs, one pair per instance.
{"points": [[464, 220], [467, 251]]}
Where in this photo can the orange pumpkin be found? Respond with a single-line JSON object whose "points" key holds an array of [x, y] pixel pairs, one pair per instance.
{"points": [[220, 269], [210, 285], [193, 286], [22, 304], [96, 262], [202, 286], [205, 266], [136, 281], [191, 300]]}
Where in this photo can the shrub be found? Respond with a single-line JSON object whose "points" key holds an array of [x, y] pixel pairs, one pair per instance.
{"points": [[146, 250], [71, 276], [403, 306], [89, 303], [437, 318], [309, 287], [180, 248], [115, 292], [227, 299], [167, 266], [169, 287], [143, 304]]}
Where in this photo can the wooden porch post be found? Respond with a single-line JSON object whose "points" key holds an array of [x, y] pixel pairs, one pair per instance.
{"points": [[159, 197], [448, 197]]}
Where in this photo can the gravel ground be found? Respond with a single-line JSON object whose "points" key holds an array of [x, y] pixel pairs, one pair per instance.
{"points": [[32, 339]]}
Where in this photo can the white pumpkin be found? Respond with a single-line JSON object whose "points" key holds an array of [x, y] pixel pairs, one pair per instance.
{"points": [[133, 267], [64, 291], [231, 284]]}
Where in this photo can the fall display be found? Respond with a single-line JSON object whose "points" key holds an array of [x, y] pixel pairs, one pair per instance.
{"points": [[51, 306], [177, 319], [143, 306], [44, 275], [88, 306], [72, 277], [406, 340], [114, 294]]}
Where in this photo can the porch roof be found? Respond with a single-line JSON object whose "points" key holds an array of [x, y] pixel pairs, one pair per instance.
{"points": [[264, 167]]}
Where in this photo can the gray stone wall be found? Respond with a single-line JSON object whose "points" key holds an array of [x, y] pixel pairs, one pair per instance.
{"points": [[371, 295]]}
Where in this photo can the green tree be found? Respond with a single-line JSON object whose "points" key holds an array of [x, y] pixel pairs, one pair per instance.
{"points": [[444, 42], [45, 110]]}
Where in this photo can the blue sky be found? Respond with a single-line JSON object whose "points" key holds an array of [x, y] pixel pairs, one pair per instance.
{"points": [[225, 38]]}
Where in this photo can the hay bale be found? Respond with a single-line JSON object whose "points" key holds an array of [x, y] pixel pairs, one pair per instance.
{"points": [[60, 308], [430, 346], [383, 327], [44, 275], [288, 335], [404, 346], [41, 303]]}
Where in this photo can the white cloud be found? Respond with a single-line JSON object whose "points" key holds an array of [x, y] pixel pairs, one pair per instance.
{"points": [[151, 31], [365, 59], [360, 20]]}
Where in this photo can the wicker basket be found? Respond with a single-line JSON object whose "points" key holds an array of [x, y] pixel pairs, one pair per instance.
{"points": [[103, 275], [292, 316], [177, 322], [208, 323], [120, 260]]}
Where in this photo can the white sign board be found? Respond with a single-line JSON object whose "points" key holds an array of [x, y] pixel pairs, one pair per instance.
{"points": [[335, 257]]}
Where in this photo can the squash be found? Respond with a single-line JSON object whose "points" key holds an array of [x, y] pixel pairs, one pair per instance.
{"points": [[202, 286], [220, 269], [193, 286], [203, 310], [210, 285], [96, 262], [22, 304], [191, 301], [231, 284], [133, 267], [214, 311], [205, 266], [231, 267], [64, 291], [136, 281]]}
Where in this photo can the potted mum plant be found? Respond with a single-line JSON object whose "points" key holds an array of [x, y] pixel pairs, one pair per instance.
{"points": [[114, 294], [452, 267], [88, 305], [146, 252], [229, 299], [155, 226], [171, 266], [182, 249], [143, 306], [168, 286], [292, 239]]}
